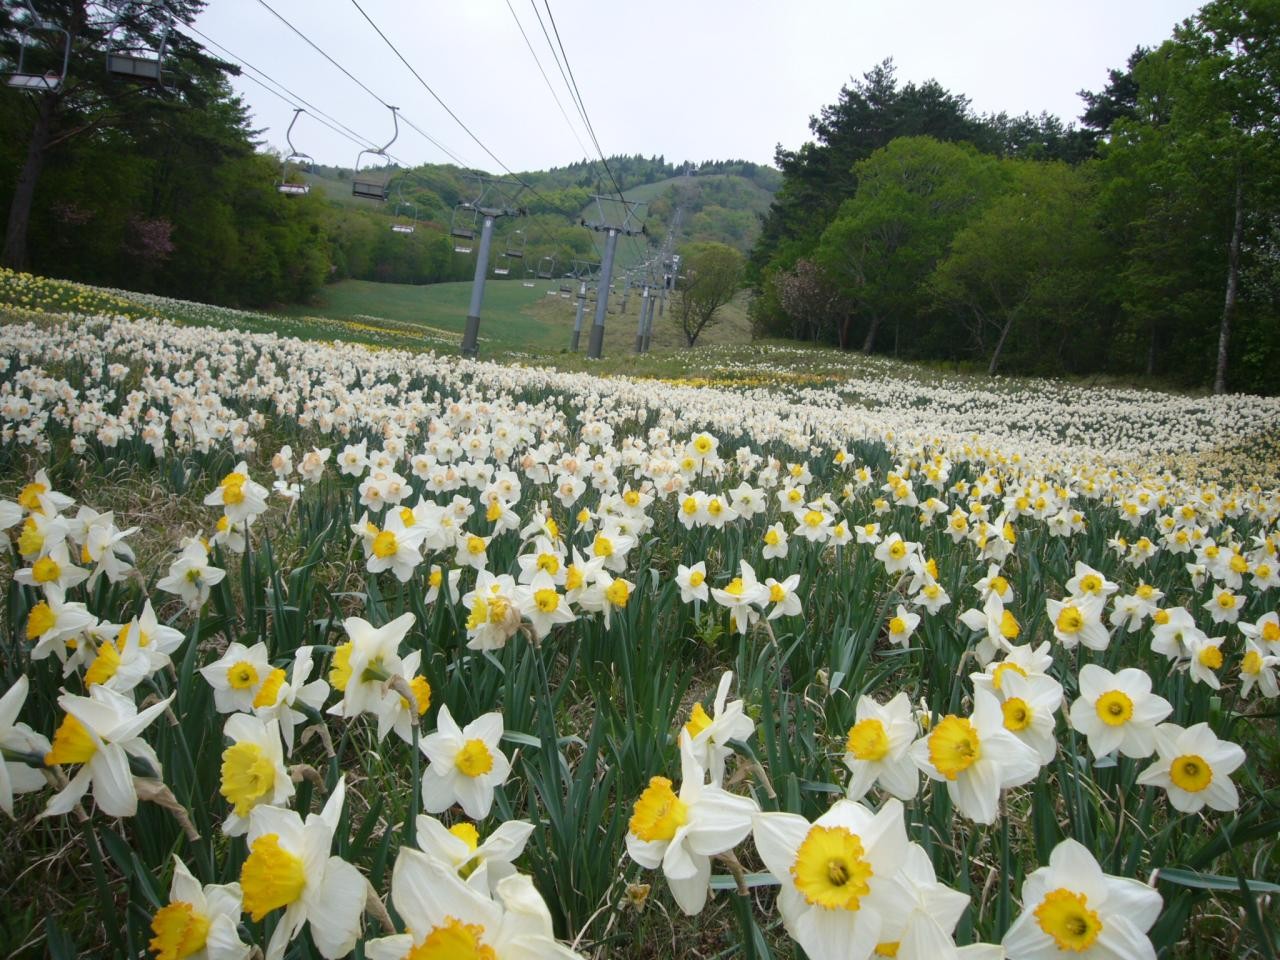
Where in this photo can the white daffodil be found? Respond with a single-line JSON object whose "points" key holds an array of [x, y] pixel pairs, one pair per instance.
{"points": [[1030, 707], [52, 570], [837, 894], [198, 922], [1072, 908], [395, 712], [1173, 629], [18, 740], [924, 938], [995, 582], [241, 498], [1258, 668], [740, 595], [1194, 767], [782, 594], [1078, 620], [447, 918], [1089, 582], [482, 864], [1132, 610], [120, 665], [101, 732], [895, 553], [438, 579], [466, 764], [542, 604], [998, 626], [191, 576], [902, 625], [605, 594], [1266, 630], [920, 892], [237, 676], [692, 582], [976, 757], [102, 544], [1224, 606], [38, 496], [289, 866], [252, 770], [547, 557], [494, 611], [280, 693], [54, 621], [1020, 659], [776, 543], [709, 736], [1205, 659], [396, 548], [878, 748], [1118, 711], [363, 665], [683, 832]]}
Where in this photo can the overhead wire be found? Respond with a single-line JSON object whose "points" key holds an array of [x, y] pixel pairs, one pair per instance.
{"points": [[356, 80], [293, 100], [547, 80], [355, 137], [324, 118], [417, 76], [576, 93], [639, 252]]}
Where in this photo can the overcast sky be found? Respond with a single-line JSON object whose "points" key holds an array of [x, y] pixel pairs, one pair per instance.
{"points": [[691, 80]]}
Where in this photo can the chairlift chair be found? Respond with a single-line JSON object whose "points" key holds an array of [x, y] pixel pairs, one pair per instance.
{"points": [[50, 81], [528, 278], [141, 62], [546, 268], [368, 184], [462, 227], [513, 251], [293, 188], [406, 218]]}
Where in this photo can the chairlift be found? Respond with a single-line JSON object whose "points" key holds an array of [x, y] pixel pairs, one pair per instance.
{"points": [[514, 250], [528, 278], [293, 188], [141, 62], [368, 184], [462, 227], [51, 80], [406, 214], [546, 268], [406, 218]]}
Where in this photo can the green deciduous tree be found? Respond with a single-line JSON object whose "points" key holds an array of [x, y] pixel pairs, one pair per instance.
{"points": [[880, 249], [1198, 174], [711, 275], [1026, 268]]}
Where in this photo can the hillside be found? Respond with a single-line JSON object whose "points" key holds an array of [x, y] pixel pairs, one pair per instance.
{"points": [[721, 202]]}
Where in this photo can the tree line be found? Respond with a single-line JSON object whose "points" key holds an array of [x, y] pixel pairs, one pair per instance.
{"points": [[1146, 240]]}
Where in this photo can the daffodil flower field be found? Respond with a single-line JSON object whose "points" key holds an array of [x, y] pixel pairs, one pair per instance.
{"points": [[429, 658]]}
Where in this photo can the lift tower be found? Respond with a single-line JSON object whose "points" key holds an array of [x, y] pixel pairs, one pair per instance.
{"points": [[494, 199], [620, 218]]}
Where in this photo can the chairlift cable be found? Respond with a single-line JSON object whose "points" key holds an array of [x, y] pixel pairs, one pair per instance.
{"points": [[314, 46], [547, 80], [586, 119], [316, 112], [532, 190]]}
